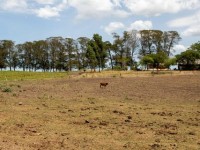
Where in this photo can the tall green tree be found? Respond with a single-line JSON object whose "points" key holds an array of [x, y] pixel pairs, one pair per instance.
{"points": [[170, 38], [20, 51], [70, 46], [81, 48], [188, 57], [151, 41], [25, 55], [146, 42], [14, 60], [91, 56], [195, 47], [159, 58], [108, 48], [96, 48], [133, 43], [146, 61], [124, 48], [130, 39], [154, 41], [41, 55], [54, 46], [100, 51], [10, 48], [3, 55], [7, 48], [191, 56]]}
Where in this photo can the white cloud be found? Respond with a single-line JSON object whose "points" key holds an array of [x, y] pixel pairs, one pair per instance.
{"points": [[186, 21], [137, 25], [119, 13], [140, 25], [42, 8], [158, 7], [192, 31], [51, 11], [191, 23], [118, 8], [97, 8], [63, 5], [117, 2], [45, 1], [178, 49], [13, 5], [114, 26], [47, 12]]}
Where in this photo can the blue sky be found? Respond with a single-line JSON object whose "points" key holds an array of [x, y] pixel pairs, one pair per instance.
{"points": [[29, 20]]}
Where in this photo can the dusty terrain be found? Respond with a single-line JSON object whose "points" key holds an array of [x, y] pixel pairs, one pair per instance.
{"points": [[152, 112]]}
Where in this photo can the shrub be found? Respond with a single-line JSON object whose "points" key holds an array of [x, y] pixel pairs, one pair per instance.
{"points": [[114, 76], [117, 68], [6, 89]]}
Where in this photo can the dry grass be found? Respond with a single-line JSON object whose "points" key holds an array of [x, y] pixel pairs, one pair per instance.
{"points": [[135, 111]]}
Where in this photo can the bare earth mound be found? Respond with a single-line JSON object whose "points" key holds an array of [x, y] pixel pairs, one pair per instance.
{"points": [[160, 112]]}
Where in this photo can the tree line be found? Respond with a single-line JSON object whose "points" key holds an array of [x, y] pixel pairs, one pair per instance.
{"points": [[190, 59], [152, 47]]}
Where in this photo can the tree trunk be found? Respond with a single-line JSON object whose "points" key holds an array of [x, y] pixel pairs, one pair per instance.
{"points": [[110, 58], [100, 65]]}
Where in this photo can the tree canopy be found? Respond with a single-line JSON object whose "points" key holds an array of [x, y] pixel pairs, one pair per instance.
{"points": [[191, 57], [59, 54]]}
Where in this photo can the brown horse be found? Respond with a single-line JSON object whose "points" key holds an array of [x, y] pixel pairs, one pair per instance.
{"points": [[103, 84]]}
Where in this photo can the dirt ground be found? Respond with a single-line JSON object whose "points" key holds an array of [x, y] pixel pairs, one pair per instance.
{"points": [[139, 113]]}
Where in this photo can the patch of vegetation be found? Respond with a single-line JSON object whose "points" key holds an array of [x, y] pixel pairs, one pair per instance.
{"points": [[114, 76], [21, 75], [14, 95], [118, 68], [161, 72], [6, 89]]}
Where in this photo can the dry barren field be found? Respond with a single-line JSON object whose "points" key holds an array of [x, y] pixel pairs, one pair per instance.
{"points": [[160, 112]]}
